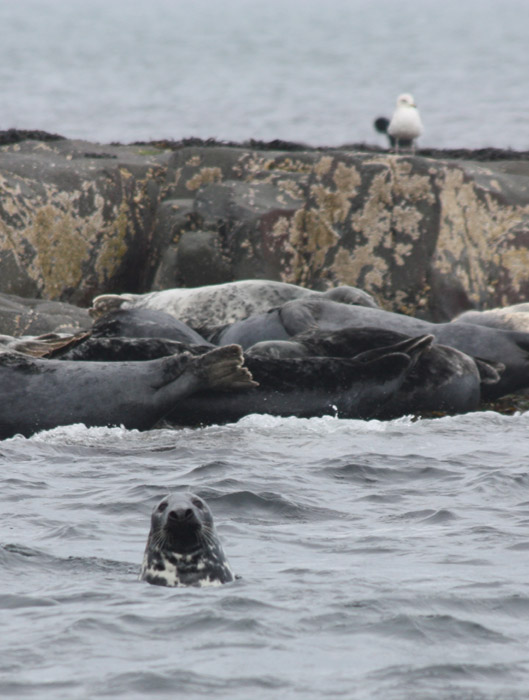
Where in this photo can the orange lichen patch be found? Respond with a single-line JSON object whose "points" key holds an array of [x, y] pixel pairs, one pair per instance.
{"points": [[349, 268], [206, 176], [516, 260], [60, 247], [473, 231], [113, 245], [323, 166], [347, 179]]}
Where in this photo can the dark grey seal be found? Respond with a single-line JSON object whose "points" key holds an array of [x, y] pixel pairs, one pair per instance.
{"points": [[442, 380], [125, 349], [358, 387], [183, 548], [145, 323], [508, 348], [43, 394], [352, 387]]}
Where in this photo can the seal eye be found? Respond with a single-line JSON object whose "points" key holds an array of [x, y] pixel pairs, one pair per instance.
{"points": [[162, 507], [198, 503]]}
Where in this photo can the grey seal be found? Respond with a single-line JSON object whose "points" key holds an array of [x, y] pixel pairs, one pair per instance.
{"points": [[442, 379], [348, 387], [183, 548], [508, 318], [494, 345], [219, 304], [145, 323], [356, 386], [43, 394]]}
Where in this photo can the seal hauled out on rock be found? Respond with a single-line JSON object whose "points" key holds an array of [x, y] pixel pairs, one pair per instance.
{"points": [[44, 394], [183, 548], [217, 304]]}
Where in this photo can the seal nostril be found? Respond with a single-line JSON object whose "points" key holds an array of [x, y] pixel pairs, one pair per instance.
{"points": [[180, 514]]}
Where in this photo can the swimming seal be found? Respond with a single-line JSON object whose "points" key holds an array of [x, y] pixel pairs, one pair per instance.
{"points": [[44, 394], [183, 548]]}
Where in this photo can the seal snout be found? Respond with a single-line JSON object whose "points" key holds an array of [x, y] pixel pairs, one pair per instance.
{"points": [[180, 515]]}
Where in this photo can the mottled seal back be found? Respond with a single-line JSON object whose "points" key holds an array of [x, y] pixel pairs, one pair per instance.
{"points": [[183, 548], [219, 304]]}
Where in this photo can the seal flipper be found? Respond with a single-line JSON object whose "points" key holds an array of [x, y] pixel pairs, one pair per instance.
{"points": [[220, 369], [413, 347], [105, 303], [489, 372]]}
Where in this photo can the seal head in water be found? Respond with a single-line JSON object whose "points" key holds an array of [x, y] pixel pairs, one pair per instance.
{"points": [[183, 548]]}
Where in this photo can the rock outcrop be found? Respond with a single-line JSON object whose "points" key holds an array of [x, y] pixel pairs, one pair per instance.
{"points": [[75, 217], [428, 236]]}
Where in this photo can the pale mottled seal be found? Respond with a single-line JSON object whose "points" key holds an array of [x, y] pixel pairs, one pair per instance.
{"points": [[183, 548], [43, 394], [215, 305], [508, 318]]}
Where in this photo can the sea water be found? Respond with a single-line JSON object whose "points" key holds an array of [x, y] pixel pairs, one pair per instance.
{"points": [[312, 71], [376, 560]]}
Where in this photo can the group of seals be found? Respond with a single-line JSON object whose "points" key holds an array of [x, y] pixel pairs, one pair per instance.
{"points": [[309, 356], [509, 349], [360, 381], [177, 355]]}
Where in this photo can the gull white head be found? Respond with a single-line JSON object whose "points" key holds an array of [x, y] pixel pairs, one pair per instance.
{"points": [[406, 100], [405, 125]]}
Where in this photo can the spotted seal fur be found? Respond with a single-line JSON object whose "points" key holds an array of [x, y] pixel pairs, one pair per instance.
{"points": [[219, 304], [508, 318], [183, 548]]}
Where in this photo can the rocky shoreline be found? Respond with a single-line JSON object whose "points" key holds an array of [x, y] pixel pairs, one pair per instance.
{"points": [[429, 235]]}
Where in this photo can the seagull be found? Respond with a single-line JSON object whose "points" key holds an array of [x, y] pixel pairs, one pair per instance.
{"points": [[381, 125], [405, 124]]}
